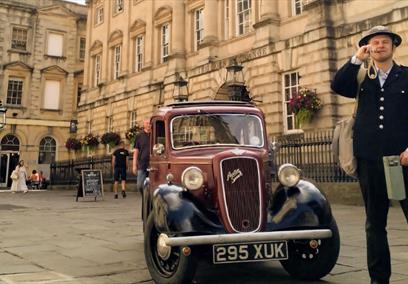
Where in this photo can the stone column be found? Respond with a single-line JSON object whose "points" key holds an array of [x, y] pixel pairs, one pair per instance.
{"points": [[210, 22], [178, 29], [267, 29], [88, 59], [269, 10]]}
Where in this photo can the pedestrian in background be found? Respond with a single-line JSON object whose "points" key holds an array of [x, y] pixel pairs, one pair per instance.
{"points": [[380, 129], [34, 180], [141, 155], [43, 180], [19, 184], [119, 166]]}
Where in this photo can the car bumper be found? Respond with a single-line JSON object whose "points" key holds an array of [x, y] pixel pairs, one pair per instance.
{"points": [[246, 237]]}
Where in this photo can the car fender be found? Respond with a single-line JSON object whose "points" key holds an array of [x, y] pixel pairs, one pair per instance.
{"points": [[301, 206], [176, 212]]}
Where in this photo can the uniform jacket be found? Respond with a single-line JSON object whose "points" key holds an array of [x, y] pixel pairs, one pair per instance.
{"points": [[381, 125]]}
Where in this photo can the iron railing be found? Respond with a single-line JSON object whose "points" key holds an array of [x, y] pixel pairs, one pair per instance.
{"points": [[67, 172], [311, 152]]}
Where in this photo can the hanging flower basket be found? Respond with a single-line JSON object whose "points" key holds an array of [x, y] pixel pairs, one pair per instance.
{"points": [[131, 133], [304, 105], [73, 144], [90, 141], [110, 138]]}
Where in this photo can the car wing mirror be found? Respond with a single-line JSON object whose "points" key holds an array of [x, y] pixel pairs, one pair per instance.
{"points": [[158, 149]]}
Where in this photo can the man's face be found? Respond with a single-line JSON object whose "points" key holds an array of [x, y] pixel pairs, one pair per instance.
{"points": [[146, 126], [382, 48]]}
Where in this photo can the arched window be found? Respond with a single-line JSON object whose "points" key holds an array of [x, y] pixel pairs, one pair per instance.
{"points": [[10, 143], [48, 148]]}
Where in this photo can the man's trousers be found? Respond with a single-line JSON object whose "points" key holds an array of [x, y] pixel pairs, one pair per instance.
{"points": [[374, 191]]}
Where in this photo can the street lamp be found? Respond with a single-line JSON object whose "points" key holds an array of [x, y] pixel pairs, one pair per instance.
{"points": [[3, 111], [235, 80], [180, 92]]}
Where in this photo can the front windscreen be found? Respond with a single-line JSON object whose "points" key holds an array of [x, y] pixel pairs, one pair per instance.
{"points": [[216, 129]]}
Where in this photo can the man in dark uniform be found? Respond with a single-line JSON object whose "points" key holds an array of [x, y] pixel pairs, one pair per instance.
{"points": [[119, 166], [141, 155], [380, 129]]}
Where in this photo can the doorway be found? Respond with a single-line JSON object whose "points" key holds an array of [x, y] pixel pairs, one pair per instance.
{"points": [[8, 162], [9, 157]]}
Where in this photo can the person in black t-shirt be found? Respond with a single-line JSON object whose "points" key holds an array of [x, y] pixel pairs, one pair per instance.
{"points": [[141, 155], [119, 166]]}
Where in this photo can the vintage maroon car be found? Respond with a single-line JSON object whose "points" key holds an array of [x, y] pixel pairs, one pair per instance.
{"points": [[210, 194]]}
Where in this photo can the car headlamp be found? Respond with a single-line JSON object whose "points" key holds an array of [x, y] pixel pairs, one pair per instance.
{"points": [[288, 175], [192, 178]]}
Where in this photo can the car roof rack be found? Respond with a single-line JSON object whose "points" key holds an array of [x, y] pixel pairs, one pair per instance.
{"points": [[209, 103]]}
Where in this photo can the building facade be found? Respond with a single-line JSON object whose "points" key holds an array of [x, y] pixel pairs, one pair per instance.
{"points": [[138, 49], [42, 52]]}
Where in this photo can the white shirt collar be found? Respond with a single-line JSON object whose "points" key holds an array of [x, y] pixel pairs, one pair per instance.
{"points": [[386, 73]]}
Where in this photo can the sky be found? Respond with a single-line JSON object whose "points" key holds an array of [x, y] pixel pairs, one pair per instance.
{"points": [[77, 1]]}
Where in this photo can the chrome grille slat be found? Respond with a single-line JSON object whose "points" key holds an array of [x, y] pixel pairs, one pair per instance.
{"points": [[241, 193]]}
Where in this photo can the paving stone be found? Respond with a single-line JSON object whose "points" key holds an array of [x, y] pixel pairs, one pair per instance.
{"points": [[46, 234]]}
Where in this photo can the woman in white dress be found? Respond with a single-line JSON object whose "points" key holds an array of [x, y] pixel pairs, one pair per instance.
{"points": [[19, 184]]}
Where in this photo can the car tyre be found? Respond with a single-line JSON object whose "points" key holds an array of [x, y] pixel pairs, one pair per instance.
{"points": [[178, 268], [320, 265]]}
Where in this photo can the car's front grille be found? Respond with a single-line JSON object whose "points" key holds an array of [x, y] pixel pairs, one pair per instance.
{"points": [[240, 180]]}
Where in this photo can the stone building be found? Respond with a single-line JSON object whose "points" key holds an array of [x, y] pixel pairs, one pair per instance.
{"points": [[138, 50], [42, 52]]}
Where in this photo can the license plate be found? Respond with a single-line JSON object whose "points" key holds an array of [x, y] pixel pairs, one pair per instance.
{"points": [[246, 252]]}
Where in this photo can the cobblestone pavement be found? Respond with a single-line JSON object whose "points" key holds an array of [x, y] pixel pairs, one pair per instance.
{"points": [[47, 237]]}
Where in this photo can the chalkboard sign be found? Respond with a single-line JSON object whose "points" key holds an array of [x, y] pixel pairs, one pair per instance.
{"points": [[92, 183]]}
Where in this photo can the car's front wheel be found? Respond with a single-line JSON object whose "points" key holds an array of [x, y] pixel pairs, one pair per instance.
{"points": [[174, 268], [313, 259]]}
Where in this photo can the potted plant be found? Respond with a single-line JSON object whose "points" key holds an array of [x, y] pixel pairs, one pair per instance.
{"points": [[131, 134], [304, 105], [73, 144], [90, 141], [110, 138]]}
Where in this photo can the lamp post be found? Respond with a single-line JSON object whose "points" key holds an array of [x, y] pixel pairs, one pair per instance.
{"points": [[180, 92], [235, 80], [3, 111]]}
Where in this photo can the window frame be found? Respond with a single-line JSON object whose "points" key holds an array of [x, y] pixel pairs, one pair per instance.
{"points": [[14, 30], [118, 7], [58, 107], [18, 98], [198, 27], [132, 118], [109, 123], [82, 48], [10, 142], [79, 90], [116, 62], [49, 33], [227, 10], [285, 102], [97, 69], [164, 42], [248, 11], [89, 126], [53, 146], [139, 52], [295, 5], [99, 15]]}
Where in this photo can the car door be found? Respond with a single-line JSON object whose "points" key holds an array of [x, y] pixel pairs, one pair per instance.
{"points": [[159, 163]]}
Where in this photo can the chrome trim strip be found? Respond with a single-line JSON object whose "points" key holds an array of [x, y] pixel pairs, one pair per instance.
{"points": [[247, 237]]}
